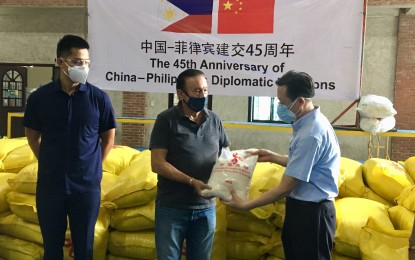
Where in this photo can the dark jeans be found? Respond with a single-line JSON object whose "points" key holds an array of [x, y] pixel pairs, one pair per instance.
{"points": [[308, 231], [53, 212]]}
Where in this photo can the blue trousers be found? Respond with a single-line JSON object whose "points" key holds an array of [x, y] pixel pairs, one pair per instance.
{"points": [[54, 211], [173, 225]]}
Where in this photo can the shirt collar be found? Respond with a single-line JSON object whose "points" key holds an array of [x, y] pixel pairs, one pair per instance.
{"points": [[307, 117], [58, 87]]}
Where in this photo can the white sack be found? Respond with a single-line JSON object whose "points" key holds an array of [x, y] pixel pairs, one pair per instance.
{"points": [[373, 106], [232, 171]]}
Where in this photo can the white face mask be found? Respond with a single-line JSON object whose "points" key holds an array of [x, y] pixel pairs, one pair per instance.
{"points": [[78, 73]]}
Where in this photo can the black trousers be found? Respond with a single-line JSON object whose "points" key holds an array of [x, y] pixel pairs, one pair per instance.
{"points": [[81, 210], [308, 231]]}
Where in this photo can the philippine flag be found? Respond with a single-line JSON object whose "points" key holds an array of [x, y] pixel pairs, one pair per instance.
{"points": [[234, 16], [195, 16]]}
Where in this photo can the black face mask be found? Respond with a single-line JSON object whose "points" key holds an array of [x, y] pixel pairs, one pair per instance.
{"points": [[195, 104]]}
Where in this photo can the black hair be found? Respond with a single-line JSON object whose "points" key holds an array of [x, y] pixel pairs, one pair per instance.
{"points": [[299, 84], [189, 73], [68, 42]]}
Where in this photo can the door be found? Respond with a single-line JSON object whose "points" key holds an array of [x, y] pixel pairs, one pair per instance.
{"points": [[13, 80]]}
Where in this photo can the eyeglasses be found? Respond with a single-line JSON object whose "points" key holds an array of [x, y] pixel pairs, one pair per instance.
{"points": [[78, 62]]}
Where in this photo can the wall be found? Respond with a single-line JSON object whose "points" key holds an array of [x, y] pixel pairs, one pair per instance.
{"points": [[29, 35], [378, 78], [403, 148]]}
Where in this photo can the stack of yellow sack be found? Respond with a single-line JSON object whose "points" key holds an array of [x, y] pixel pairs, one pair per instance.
{"points": [[4, 189], [131, 202], [20, 230], [119, 158], [255, 234], [15, 154], [371, 226]]}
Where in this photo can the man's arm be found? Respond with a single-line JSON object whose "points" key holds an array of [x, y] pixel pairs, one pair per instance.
{"points": [[34, 139], [160, 166], [107, 141], [270, 156], [287, 184]]}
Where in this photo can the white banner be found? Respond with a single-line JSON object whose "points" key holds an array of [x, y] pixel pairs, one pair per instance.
{"points": [[243, 46]]}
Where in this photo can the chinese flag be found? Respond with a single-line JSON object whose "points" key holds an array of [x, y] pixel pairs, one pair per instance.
{"points": [[198, 19], [246, 16]]}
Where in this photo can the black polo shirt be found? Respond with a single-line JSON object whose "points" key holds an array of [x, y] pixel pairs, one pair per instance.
{"points": [[70, 151], [192, 149]]}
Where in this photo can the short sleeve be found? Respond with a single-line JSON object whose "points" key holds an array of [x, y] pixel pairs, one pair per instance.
{"points": [[224, 140], [160, 136], [31, 116], [107, 116]]}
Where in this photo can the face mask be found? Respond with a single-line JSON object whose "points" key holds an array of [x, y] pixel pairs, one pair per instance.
{"points": [[285, 114], [78, 74], [196, 104]]}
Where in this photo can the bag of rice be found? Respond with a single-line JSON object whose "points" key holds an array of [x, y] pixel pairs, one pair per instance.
{"points": [[232, 171]]}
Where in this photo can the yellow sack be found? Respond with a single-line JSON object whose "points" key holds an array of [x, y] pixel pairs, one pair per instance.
{"points": [[266, 176], [407, 198], [16, 227], [401, 218], [378, 242], [134, 218], [141, 245], [351, 215], [101, 234], [244, 245], [135, 186], [23, 205], [6, 213], [137, 157], [25, 181], [113, 257], [107, 183], [17, 249], [410, 167], [350, 178], [4, 189], [337, 256], [271, 257], [8, 145], [274, 246], [371, 195], [278, 217], [18, 159], [118, 159], [243, 223], [386, 178], [219, 240]]}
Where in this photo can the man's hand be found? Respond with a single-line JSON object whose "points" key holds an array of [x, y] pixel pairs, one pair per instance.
{"points": [[269, 156], [263, 155], [199, 186], [236, 202]]}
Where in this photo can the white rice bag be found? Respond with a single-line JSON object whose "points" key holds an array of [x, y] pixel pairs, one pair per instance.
{"points": [[374, 106], [232, 171]]}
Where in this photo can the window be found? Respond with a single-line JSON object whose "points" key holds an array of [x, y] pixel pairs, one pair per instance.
{"points": [[263, 109], [12, 87]]}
